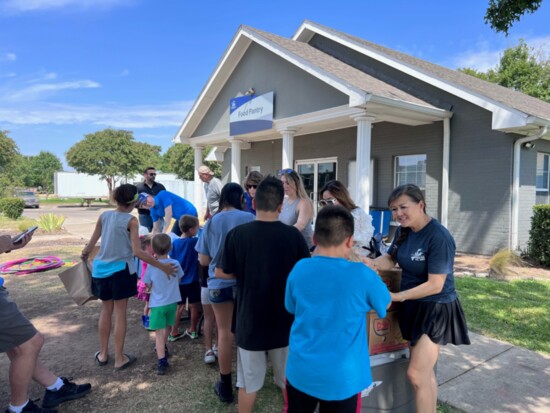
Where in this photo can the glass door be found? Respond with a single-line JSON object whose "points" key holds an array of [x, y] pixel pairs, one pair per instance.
{"points": [[315, 174]]}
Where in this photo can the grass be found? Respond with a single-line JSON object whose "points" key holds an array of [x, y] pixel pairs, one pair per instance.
{"points": [[514, 311], [66, 201]]}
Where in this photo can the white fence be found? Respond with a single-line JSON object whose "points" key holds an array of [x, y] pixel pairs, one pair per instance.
{"points": [[75, 185]]}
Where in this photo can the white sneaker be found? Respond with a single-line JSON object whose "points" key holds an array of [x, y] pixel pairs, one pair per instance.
{"points": [[215, 350], [209, 357]]}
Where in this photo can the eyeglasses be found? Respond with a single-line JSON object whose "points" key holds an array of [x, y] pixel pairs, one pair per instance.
{"points": [[325, 202], [249, 186], [284, 171]]}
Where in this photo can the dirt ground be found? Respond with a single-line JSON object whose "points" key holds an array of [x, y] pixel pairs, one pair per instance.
{"points": [[478, 265], [71, 341]]}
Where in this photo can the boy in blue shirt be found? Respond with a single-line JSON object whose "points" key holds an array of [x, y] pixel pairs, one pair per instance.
{"points": [[183, 250], [165, 295], [328, 360]]}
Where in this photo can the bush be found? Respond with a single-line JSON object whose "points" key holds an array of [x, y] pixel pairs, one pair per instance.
{"points": [[12, 207], [503, 262], [51, 222], [539, 241]]}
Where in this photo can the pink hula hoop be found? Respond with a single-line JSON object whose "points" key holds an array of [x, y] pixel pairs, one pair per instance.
{"points": [[30, 265]]}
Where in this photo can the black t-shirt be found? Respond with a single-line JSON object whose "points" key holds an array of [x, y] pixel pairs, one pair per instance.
{"points": [[261, 254], [155, 189]]}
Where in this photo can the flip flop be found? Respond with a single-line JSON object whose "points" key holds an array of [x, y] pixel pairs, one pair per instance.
{"points": [[98, 361], [131, 360]]}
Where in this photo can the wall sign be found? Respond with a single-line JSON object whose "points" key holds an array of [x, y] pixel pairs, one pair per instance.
{"points": [[250, 113]]}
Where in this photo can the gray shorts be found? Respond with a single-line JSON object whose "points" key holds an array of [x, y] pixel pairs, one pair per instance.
{"points": [[205, 296], [252, 366], [15, 329]]}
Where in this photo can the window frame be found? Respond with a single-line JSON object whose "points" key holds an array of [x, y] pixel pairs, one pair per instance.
{"points": [[547, 164], [396, 173]]}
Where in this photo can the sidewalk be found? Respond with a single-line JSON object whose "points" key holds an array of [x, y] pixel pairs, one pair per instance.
{"points": [[494, 376]]}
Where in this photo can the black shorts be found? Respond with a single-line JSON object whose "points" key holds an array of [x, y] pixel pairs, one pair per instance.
{"points": [[191, 292], [15, 328], [297, 401], [119, 286]]}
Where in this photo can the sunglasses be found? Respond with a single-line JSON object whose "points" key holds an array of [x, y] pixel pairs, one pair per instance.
{"points": [[285, 171], [249, 186], [153, 174], [325, 202]]}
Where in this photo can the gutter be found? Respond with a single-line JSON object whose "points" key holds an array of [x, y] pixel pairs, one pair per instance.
{"points": [[515, 183]]}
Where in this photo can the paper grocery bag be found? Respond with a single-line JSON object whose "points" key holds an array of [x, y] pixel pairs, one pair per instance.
{"points": [[78, 283]]}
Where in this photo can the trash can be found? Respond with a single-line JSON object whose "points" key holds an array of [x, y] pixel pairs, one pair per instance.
{"points": [[380, 220], [394, 392]]}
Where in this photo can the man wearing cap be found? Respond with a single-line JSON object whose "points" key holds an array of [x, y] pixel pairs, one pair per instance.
{"points": [[148, 186], [212, 188], [166, 205]]}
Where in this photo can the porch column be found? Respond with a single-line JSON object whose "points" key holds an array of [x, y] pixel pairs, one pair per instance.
{"points": [[288, 148], [198, 186], [236, 160], [363, 155]]}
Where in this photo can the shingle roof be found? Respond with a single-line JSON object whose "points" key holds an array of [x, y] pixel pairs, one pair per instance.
{"points": [[514, 99], [346, 73]]}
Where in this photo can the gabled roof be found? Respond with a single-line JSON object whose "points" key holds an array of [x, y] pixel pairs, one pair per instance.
{"points": [[512, 108], [359, 86]]}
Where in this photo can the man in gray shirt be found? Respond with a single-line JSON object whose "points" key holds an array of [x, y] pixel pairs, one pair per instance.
{"points": [[212, 188]]}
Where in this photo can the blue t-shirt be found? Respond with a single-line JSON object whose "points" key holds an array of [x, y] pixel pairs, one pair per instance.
{"points": [[180, 206], [212, 240], [164, 290], [183, 250], [330, 298], [428, 251], [248, 204]]}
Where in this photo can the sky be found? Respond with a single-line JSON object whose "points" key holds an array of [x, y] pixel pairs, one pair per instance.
{"points": [[73, 67]]}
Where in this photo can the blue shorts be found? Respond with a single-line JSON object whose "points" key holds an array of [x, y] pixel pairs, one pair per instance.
{"points": [[221, 295]]}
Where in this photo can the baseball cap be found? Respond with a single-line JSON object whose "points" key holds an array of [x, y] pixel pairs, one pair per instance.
{"points": [[205, 170], [142, 198]]}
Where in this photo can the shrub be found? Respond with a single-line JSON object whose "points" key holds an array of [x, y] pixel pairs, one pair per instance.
{"points": [[51, 222], [12, 207], [539, 241], [501, 264]]}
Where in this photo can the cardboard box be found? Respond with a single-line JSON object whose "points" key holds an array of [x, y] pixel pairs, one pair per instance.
{"points": [[384, 334], [392, 279]]}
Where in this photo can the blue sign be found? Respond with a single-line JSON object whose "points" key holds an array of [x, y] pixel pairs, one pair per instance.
{"points": [[250, 113]]}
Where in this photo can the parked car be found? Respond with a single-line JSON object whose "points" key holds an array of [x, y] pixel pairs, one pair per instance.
{"points": [[30, 198]]}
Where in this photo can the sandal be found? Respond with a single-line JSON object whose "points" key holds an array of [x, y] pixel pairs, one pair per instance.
{"points": [[98, 361], [131, 360]]}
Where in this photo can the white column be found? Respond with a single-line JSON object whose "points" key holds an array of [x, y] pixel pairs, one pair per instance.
{"points": [[236, 161], [198, 187], [445, 173], [363, 154], [288, 148]]}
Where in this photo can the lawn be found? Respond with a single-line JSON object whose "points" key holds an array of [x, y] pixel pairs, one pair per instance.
{"points": [[514, 311]]}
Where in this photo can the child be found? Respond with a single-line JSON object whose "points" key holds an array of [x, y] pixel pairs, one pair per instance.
{"points": [[143, 293], [183, 250], [328, 361], [165, 295], [114, 278]]}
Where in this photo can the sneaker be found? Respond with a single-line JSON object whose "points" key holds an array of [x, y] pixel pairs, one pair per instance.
{"points": [[145, 321], [176, 337], [69, 391], [215, 350], [225, 395], [209, 357], [33, 408], [162, 366], [191, 334]]}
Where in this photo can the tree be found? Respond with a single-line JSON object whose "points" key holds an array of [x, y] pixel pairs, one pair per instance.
{"points": [[41, 170], [10, 159], [180, 160], [111, 154], [8, 149], [520, 68], [502, 14]]}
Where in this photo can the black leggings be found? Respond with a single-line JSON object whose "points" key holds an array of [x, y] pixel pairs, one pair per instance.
{"points": [[300, 402]]}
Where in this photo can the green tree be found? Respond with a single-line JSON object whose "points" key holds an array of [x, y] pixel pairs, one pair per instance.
{"points": [[502, 14], [41, 169], [520, 68], [111, 154], [8, 149], [10, 159], [180, 160]]}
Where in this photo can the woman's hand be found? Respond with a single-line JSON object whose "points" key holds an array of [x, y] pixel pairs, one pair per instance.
{"points": [[169, 268]]}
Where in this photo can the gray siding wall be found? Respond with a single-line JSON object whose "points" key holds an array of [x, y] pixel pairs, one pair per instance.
{"points": [[296, 92], [481, 159]]}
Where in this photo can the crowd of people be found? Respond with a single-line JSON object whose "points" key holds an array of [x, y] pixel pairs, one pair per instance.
{"points": [[267, 280]]}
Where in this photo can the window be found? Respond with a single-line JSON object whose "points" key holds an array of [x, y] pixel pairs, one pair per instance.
{"points": [[411, 169], [542, 172]]}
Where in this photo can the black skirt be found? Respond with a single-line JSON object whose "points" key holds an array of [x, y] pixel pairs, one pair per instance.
{"points": [[443, 323]]}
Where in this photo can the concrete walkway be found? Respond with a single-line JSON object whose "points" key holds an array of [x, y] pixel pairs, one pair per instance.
{"points": [[494, 376]]}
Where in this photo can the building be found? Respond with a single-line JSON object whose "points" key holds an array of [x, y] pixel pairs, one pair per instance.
{"points": [[373, 118]]}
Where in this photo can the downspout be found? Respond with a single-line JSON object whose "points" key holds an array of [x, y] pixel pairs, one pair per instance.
{"points": [[515, 183], [445, 172]]}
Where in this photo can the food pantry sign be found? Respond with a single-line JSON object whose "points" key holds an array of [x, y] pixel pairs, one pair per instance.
{"points": [[250, 113]]}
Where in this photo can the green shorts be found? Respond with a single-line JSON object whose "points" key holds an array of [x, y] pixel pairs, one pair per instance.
{"points": [[163, 316]]}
